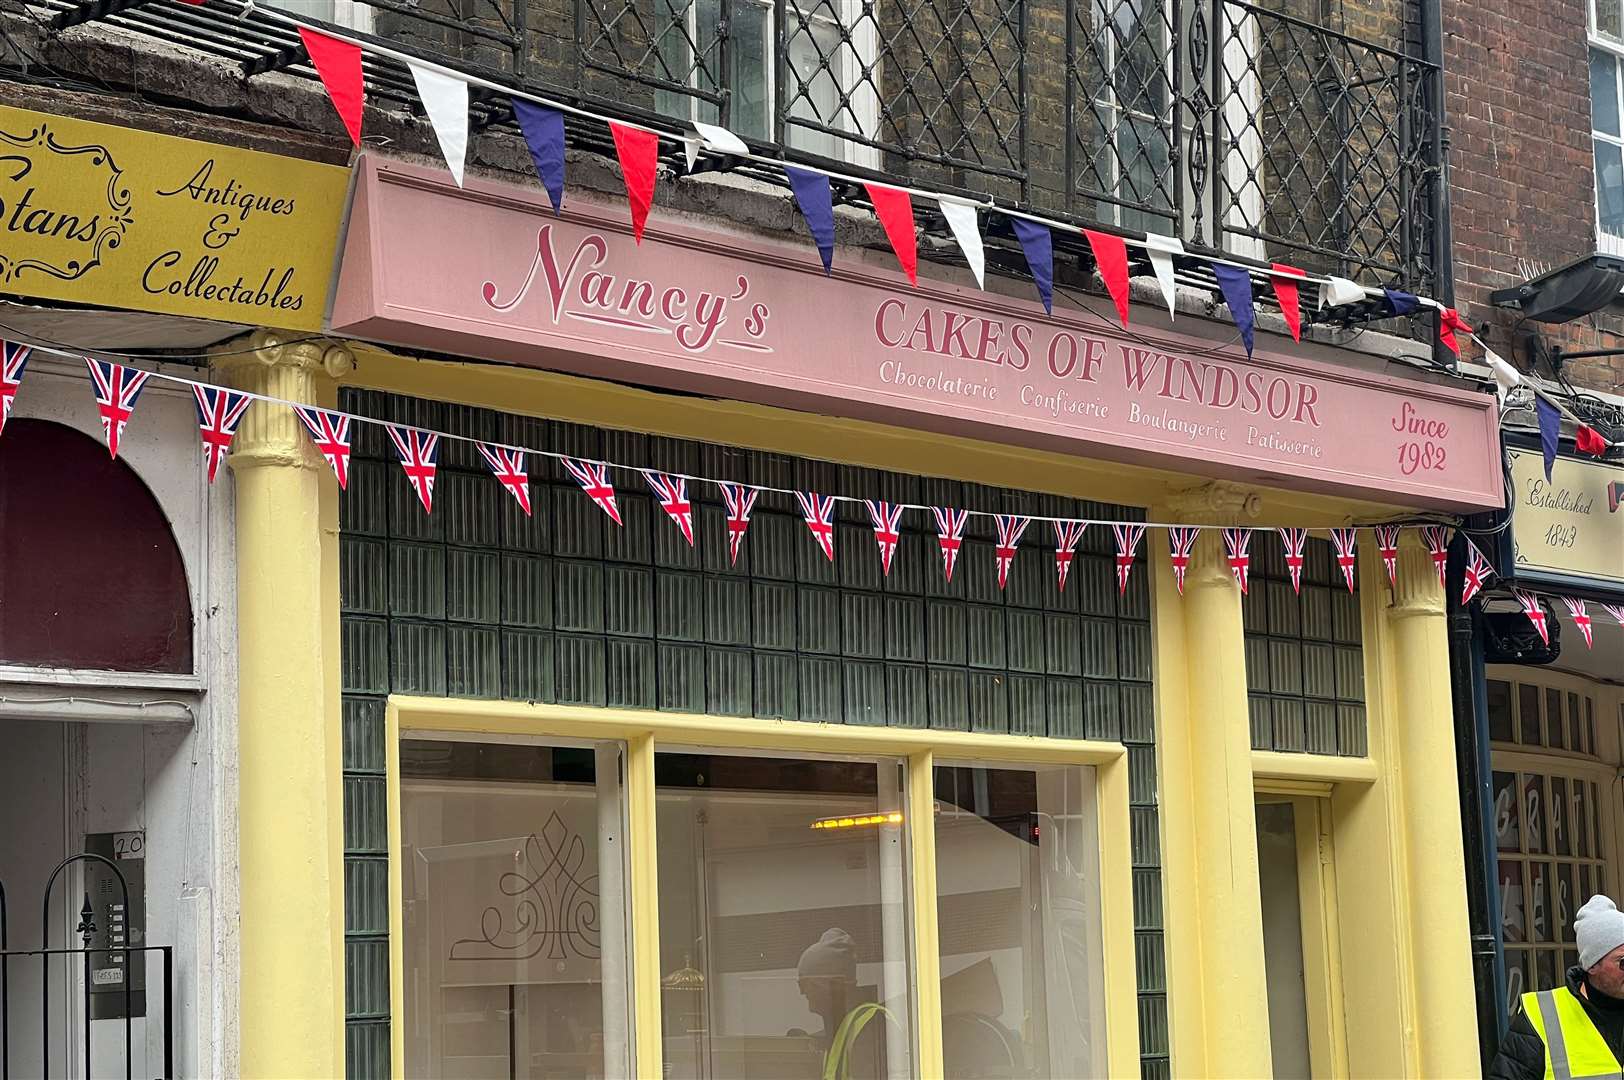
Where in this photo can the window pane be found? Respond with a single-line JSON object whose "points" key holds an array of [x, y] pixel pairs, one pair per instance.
{"points": [[1559, 816], [1528, 714], [1607, 18], [1534, 812], [1511, 901], [1609, 188], [1581, 822], [513, 870], [1574, 721], [1603, 92], [1565, 907], [1499, 711], [1555, 728], [784, 936], [1017, 906], [1539, 901], [1507, 830]]}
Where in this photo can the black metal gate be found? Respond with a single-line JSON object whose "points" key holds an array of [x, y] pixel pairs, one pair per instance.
{"points": [[88, 930]]}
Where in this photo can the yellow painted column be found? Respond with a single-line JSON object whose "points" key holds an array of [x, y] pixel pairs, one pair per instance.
{"points": [[1212, 910], [289, 782], [1422, 760]]}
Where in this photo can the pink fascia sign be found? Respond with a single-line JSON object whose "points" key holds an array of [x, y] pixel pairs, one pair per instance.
{"points": [[489, 271]]}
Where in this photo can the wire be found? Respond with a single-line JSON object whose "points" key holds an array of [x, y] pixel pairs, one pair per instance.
{"points": [[78, 353]]}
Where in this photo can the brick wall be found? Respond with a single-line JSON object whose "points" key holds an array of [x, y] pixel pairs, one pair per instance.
{"points": [[1523, 185]]}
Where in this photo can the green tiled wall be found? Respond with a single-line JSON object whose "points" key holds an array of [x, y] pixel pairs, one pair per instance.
{"points": [[479, 601], [1305, 664]]}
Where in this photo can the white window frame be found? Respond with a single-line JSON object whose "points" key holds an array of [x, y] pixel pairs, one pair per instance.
{"points": [[1606, 242]]}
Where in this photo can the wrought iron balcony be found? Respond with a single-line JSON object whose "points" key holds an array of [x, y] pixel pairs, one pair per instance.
{"points": [[1234, 125]]}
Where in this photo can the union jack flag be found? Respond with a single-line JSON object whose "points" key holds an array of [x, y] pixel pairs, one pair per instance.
{"points": [[1294, 539], [1067, 534], [1535, 612], [887, 525], [1344, 541], [1236, 541], [1437, 538], [1478, 571], [1616, 611], [672, 491], [417, 450], [593, 476], [117, 388], [1180, 542], [819, 511], [13, 361], [219, 411], [331, 433], [1010, 528], [740, 501], [508, 466], [1127, 545], [1581, 619], [950, 535], [1387, 544]]}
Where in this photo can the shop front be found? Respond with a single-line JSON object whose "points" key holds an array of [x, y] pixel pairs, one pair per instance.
{"points": [[763, 674]]}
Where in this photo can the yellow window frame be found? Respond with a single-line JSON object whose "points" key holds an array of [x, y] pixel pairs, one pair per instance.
{"points": [[643, 731]]}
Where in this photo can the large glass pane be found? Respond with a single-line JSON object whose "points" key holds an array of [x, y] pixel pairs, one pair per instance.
{"points": [[1534, 811], [1539, 902], [1500, 711], [1283, 939], [1553, 718], [1559, 816], [1609, 188], [1507, 829], [1018, 911], [512, 876], [1607, 18], [784, 936], [1603, 92], [1528, 714], [1513, 926]]}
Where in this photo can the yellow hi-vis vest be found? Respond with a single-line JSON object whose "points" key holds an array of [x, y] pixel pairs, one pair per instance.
{"points": [[1574, 1049]]}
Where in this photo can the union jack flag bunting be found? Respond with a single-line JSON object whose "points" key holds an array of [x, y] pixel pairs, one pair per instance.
{"points": [[1616, 611], [1180, 542], [672, 491], [593, 476], [740, 502], [887, 530], [1581, 619], [950, 535], [1067, 534], [1294, 540], [219, 411], [117, 388], [331, 433], [1387, 544], [1127, 545], [507, 464], [1478, 572], [819, 511], [13, 361], [1344, 541], [1437, 538], [1010, 528], [1236, 541], [417, 450], [1535, 612]]}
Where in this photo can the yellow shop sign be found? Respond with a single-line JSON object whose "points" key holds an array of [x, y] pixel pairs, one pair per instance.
{"points": [[106, 215], [1571, 524]]}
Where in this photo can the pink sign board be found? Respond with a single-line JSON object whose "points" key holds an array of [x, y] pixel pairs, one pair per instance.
{"points": [[489, 271]]}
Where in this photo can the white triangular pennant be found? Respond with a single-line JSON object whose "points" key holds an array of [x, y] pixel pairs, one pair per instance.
{"points": [[1339, 290], [720, 139], [690, 150], [961, 218], [1506, 377], [445, 99], [1161, 250]]}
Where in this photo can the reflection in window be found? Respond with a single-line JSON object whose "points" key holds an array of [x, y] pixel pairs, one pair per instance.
{"points": [[784, 937], [512, 867], [1018, 913]]}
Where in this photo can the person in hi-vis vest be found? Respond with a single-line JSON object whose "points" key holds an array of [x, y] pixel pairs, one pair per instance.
{"points": [[1577, 1030]]}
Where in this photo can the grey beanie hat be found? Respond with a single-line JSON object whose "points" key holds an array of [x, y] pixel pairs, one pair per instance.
{"points": [[1599, 928], [835, 954]]}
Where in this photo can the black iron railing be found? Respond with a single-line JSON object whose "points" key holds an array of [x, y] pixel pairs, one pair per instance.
{"points": [[1238, 126]]}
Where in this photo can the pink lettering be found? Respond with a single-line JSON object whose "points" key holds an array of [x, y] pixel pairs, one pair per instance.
{"points": [[879, 320]]}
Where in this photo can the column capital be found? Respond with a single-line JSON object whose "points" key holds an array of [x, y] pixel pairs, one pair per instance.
{"points": [[1418, 591], [272, 363], [1216, 502]]}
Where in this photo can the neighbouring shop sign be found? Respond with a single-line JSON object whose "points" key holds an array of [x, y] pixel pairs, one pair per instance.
{"points": [[1571, 525], [490, 271], [105, 215]]}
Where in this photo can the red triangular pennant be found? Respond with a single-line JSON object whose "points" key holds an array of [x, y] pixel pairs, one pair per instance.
{"points": [[1285, 291], [1449, 324], [1111, 256], [339, 65], [894, 208], [639, 151]]}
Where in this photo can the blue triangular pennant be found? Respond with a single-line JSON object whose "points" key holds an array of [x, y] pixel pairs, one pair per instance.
{"points": [[1039, 247], [544, 133], [1550, 429], [817, 207], [1236, 284], [1402, 303]]}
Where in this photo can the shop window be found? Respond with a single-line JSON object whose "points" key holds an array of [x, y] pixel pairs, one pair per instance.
{"points": [[784, 930], [90, 574], [514, 912], [1017, 895], [1305, 667]]}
